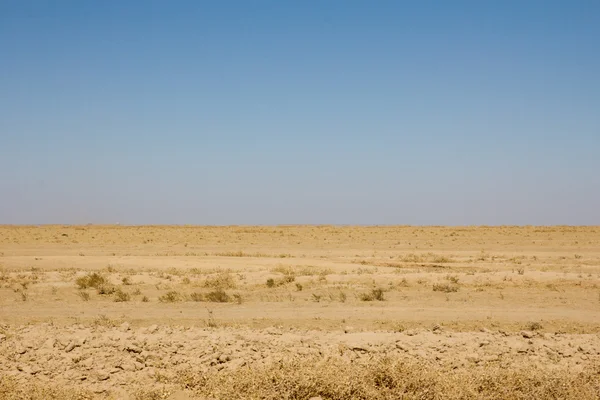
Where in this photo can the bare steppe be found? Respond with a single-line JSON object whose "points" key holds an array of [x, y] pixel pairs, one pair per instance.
{"points": [[299, 311]]}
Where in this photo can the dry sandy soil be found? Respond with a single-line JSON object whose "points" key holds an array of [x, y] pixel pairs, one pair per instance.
{"points": [[299, 311]]}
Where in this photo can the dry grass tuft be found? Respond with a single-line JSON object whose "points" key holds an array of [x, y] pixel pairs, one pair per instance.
{"points": [[85, 296], [197, 296], [386, 379], [10, 389]]}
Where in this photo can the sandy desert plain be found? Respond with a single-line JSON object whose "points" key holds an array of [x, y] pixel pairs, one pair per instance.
{"points": [[299, 312]]}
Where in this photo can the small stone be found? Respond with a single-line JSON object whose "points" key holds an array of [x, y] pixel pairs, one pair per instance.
{"points": [[99, 390], [522, 349], [49, 344], [152, 329], [273, 331], [124, 327], [566, 353], [349, 329], [223, 358], [128, 366], [582, 349], [133, 348], [102, 376], [401, 346], [236, 364], [527, 334], [70, 347], [490, 358], [24, 368], [421, 354]]}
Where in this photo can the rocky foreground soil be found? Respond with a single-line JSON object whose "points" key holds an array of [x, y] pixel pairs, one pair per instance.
{"points": [[114, 360]]}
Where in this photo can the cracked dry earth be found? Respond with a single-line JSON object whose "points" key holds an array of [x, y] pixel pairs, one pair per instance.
{"points": [[115, 359], [299, 312]]}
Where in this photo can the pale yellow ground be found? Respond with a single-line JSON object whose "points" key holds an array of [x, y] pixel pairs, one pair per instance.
{"points": [[504, 277], [513, 312]]}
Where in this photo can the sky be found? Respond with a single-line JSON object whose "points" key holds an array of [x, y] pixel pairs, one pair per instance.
{"points": [[300, 112]]}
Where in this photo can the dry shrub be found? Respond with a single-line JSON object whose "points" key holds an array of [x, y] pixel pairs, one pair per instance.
{"points": [[170, 297], [311, 270], [238, 253], [386, 379], [105, 321], [238, 298], [375, 294], [24, 295], [152, 393], [534, 326], [94, 280], [10, 389], [288, 278], [411, 258], [121, 296], [223, 280], [445, 287], [106, 289], [196, 296], [217, 296]]}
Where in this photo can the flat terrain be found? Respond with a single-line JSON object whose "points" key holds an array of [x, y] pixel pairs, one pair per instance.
{"points": [[225, 312]]}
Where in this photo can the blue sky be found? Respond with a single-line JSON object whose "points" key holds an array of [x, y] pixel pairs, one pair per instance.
{"points": [[276, 112]]}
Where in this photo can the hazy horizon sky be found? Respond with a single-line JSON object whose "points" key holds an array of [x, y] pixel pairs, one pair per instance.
{"points": [[308, 112]]}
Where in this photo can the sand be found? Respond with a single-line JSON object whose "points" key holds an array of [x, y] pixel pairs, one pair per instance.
{"points": [[169, 301]]}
